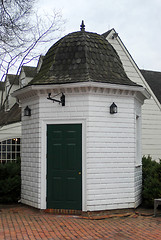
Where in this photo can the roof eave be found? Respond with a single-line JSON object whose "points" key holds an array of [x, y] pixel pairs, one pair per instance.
{"points": [[24, 90]]}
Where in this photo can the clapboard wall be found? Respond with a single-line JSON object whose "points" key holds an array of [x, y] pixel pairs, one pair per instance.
{"points": [[151, 111], [111, 176]]}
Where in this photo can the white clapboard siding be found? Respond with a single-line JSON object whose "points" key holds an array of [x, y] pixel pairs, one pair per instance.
{"points": [[109, 176], [151, 112], [30, 155], [100, 145]]}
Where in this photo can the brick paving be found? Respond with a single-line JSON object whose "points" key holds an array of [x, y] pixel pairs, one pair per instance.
{"points": [[22, 222]]}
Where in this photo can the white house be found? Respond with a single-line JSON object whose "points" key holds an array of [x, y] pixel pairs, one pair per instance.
{"points": [[10, 116], [10, 122], [76, 153], [11, 84], [151, 111], [26, 75]]}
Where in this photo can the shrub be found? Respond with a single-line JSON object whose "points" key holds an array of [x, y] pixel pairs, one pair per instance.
{"points": [[10, 182], [151, 181]]}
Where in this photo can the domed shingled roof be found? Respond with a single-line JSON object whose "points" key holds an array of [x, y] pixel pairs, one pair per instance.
{"points": [[82, 57]]}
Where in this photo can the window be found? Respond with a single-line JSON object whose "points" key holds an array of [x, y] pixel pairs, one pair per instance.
{"points": [[9, 150]]}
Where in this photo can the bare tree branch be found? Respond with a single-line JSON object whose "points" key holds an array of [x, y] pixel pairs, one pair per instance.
{"points": [[43, 32]]}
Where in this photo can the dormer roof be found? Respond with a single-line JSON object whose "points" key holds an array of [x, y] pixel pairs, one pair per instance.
{"points": [[13, 79], [29, 71]]}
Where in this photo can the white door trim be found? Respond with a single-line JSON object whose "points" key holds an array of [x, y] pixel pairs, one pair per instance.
{"points": [[43, 148]]}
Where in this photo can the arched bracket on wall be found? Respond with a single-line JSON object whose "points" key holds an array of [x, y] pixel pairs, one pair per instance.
{"points": [[62, 98]]}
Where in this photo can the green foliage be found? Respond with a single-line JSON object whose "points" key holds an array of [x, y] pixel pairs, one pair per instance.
{"points": [[10, 182], [151, 181]]}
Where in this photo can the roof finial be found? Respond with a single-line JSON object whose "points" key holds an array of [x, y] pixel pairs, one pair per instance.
{"points": [[82, 26]]}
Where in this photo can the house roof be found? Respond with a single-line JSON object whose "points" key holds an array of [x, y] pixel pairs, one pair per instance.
{"points": [[2, 85], [13, 79], [11, 116], [153, 78], [29, 71], [82, 57]]}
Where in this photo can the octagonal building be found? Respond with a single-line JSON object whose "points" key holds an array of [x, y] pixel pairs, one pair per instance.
{"points": [[81, 141]]}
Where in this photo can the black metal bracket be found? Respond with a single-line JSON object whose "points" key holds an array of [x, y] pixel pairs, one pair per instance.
{"points": [[62, 99]]}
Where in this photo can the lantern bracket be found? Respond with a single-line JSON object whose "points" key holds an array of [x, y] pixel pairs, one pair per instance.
{"points": [[62, 98]]}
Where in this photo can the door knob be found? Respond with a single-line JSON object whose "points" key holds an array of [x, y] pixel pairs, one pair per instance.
{"points": [[79, 173]]}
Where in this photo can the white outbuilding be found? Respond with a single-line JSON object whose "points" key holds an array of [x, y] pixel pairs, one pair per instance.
{"points": [[81, 129]]}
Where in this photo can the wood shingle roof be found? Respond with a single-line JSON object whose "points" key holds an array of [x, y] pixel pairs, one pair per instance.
{"points": [[82, 57]]}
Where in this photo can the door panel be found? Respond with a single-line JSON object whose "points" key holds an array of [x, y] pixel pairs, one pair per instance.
{"points": [[64, 163]]}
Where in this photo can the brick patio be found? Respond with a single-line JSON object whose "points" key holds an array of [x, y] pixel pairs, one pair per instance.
{"points": [[22, 222]]}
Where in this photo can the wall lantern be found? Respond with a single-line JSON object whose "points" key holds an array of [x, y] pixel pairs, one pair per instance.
{"points": [[27, 111], [62, 98], [113, 108]]}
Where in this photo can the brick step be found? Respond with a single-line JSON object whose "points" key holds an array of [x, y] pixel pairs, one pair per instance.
{"points": [[64, 211]]}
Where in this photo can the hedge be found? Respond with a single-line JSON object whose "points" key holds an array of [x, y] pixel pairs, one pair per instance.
{"points": [[151, 181], [10, 182]]}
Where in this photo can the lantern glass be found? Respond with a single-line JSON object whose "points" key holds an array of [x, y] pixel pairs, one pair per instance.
{"points": [[113, 108], [27, 111]]}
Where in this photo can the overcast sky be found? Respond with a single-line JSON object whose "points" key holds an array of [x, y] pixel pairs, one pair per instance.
{"points": [[138, 23]]}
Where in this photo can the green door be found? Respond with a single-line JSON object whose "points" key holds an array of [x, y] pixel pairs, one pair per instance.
{"points": [[64, 166]]}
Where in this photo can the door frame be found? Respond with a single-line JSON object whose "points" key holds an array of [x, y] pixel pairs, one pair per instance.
{"points": [[43, 190]]}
